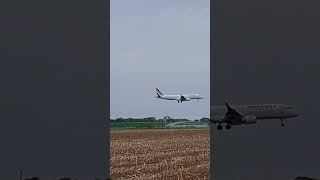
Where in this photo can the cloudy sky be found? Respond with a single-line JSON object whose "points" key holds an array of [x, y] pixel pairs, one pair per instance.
{"points": [[163, 44]]}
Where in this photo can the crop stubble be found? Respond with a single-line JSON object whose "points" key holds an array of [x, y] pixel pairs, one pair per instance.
{"points": [[160, 154]]}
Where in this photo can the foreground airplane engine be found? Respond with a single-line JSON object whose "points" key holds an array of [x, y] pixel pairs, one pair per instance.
{"points": [[249, 119]]}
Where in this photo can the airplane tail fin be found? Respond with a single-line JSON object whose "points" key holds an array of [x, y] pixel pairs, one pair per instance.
{"points": [[159, 94]]}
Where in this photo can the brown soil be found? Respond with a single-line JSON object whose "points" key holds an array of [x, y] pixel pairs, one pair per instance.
{"points": [[160, 154]]}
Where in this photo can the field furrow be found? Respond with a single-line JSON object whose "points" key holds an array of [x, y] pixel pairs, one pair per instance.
{"points": [[176, 154]]}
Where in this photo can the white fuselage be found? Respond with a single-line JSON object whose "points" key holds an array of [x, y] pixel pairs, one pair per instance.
{"points": [[177, 97], [259, 111]]}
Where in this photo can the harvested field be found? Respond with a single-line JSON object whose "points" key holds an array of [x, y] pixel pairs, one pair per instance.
{"points": [[160, 154]]}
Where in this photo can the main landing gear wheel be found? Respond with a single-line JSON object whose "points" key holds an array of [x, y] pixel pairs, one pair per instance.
{"points": [[228, 126], [219, 127], [282, 123]]}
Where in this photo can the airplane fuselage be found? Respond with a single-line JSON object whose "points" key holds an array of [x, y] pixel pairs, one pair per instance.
{"points": [[178, 97], [249, 114], [260, 111]]}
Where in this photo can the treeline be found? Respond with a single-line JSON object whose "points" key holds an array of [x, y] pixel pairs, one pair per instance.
{"points": [[153, 119], [149, 119]]}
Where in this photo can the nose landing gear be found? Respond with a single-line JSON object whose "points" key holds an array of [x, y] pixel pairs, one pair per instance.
{"points": [[282, 122]]}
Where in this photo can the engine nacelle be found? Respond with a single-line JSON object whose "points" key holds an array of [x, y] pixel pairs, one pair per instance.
{"points": [[251, 119]]}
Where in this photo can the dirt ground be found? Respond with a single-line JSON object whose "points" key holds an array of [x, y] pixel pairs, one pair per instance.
{"points": [[160, 154]]}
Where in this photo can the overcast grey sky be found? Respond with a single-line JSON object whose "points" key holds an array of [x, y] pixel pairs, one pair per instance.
{"points": [[163, 44]]}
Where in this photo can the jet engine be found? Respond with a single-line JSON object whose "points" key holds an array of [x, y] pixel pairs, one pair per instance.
{"points": [[251, 119]]}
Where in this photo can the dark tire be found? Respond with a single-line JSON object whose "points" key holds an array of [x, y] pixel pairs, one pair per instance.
{"points": [[228, 126], [219, 127]]}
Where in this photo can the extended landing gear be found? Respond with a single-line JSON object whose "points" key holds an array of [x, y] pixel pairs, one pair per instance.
{"points": [[282, 123], [219, 127]]}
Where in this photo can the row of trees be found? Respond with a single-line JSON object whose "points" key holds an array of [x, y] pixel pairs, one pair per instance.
{"points": [[153, 119]]}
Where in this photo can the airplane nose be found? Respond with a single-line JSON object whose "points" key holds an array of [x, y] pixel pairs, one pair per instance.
{"points": [[292, 112]]}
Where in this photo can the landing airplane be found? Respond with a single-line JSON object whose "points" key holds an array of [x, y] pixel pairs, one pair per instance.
{"points": [[249, 114], [179, 98]]}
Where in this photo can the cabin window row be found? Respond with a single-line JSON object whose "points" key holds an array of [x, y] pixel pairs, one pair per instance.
{"points": [[263, 108]]}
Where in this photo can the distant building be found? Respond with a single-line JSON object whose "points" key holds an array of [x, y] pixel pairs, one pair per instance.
{"points": [[150, 118], [205, 120], [187, 124]]}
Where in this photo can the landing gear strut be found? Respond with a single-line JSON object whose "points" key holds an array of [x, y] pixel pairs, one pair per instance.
{"points": [[282, 123]]}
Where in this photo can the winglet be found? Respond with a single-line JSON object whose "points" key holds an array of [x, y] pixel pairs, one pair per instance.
{"points": [[232, 111], [228, 106], [182, 98]]}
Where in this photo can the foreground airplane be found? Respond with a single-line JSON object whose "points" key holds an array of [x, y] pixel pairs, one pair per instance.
{"points": [[179, 98], [249, 114]]}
